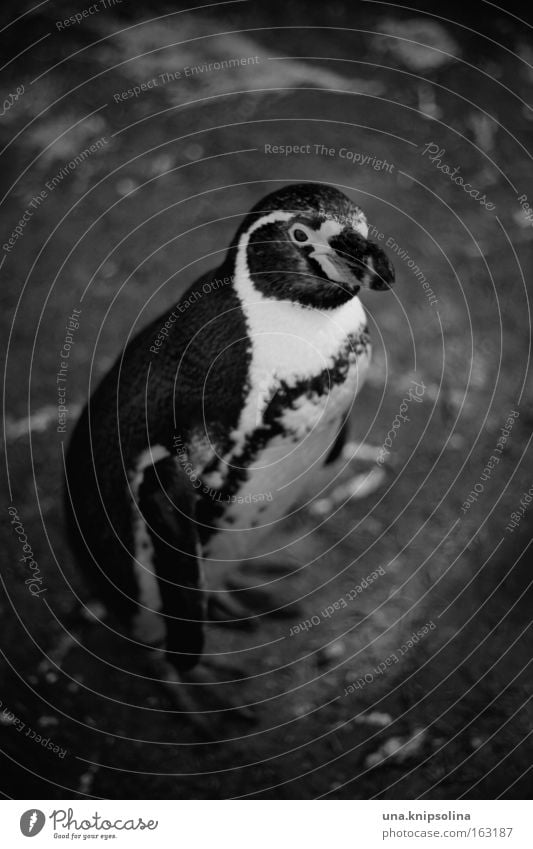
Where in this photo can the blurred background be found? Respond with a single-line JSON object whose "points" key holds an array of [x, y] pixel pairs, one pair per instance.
{"points": [[115, 199]]}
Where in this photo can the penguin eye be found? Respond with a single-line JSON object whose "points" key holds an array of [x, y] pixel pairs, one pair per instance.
{"points": [[299, 235]]}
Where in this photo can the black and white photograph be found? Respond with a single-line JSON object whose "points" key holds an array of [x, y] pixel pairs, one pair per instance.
{"points": [[267, 410]]}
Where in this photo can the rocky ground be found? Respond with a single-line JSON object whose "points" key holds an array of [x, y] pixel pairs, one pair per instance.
{"points": [[120, 234]]}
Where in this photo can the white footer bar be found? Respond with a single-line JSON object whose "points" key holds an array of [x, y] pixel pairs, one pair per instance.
{"points": [[269, 824]]}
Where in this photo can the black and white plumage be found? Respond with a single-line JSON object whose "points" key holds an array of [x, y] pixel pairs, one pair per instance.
{"points": [[190, 451]]}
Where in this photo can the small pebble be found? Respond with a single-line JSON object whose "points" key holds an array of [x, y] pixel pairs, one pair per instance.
{"points": [[321, 507], [331, 653], [126, 186], [161, 164], [109, 270], [374, 718], [302, 710], [87, 779], [47, 721], [398, 748], [95, 609]]}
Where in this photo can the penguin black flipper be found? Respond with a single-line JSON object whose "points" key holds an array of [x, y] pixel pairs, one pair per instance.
{"points": [[167, 501], [166, 504], [148, 406]]}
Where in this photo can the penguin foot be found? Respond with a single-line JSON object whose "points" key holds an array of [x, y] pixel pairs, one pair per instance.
{"points": [[242, 605], [223, 608], [199, 698]]}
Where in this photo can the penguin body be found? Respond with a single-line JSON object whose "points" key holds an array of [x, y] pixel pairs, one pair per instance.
{"points": [[192, 448]]}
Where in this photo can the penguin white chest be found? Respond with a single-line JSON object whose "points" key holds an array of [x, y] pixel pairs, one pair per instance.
{"points": [[305, 360], [295, 435], [302, 385], [284, 471]]}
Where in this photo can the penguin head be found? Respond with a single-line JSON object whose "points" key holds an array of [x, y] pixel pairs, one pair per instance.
{"points": [[308, 243]]}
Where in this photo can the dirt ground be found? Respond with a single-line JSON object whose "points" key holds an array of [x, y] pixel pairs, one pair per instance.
{"points": [[349, 706]]}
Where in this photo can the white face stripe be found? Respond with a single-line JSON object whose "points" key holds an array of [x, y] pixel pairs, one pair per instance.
{"points": [[330, 227], [277, 215]]}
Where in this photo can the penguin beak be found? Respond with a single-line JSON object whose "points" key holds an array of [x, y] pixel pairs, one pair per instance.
{"points": [[366, 261]]}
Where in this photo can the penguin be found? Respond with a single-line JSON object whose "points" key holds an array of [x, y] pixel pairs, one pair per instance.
{"points": [[221, 416]]}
